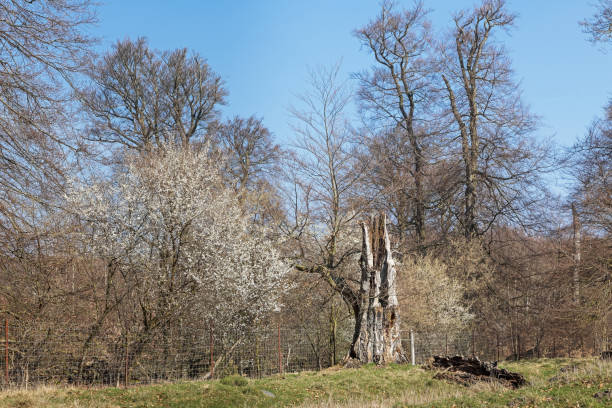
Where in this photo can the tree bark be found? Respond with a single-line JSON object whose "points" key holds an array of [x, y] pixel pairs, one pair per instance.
{"points": [[377, 323]]}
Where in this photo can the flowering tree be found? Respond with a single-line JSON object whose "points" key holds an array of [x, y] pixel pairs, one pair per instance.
{"points": [[179, 244], [432, 300]]}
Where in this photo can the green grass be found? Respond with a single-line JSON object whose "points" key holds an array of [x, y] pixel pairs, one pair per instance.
{"points": [[573, 384]]}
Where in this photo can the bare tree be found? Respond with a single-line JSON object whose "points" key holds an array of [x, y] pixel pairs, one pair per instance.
{"points": [[599, 26], [253, 160], [396, 92], [192, 91], [328, 168], [251, 150], [590, 165], [140, 98], [42, 47], [334, 172], [501, 162], [326, 187]]}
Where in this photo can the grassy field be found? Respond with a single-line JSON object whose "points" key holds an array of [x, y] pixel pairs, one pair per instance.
{"points": [[553, 383]]}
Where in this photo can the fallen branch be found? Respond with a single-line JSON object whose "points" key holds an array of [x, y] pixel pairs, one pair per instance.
{"points": [[468, 371]]}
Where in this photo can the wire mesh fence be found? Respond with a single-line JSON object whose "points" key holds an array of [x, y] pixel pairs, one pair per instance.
{"points": [[53, 355], [428, 344], [75, 356]]}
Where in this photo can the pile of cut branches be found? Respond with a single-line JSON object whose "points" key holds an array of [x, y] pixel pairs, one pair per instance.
{"points": [[467, 371]]}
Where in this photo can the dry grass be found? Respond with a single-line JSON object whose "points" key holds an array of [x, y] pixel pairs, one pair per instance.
{"points": [[413, 396], [45, 396]]}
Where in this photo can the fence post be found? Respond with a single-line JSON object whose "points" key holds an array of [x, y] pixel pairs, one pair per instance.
{"points": [[280, 353], [412, 356], [497, 344], [125, 374], [446, 344], [211, 347], [473, 345], [6, 353]]}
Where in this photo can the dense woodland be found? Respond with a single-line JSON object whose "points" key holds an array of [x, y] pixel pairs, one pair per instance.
{"points": [[130, 208]]}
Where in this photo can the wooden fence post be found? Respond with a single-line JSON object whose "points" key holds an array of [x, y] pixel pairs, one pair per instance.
{"points": [[211, 348], [6, 351], [412, 353], [125, 373], [497, 344], [280, 353], [446, 344]]}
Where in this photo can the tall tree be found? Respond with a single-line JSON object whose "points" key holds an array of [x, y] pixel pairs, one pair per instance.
{"points": [[325, 161], [326, 191], [591, 167], [501, 162], [395, 94], [140, 98], [42, 46], [252, 160], [251, 150]]}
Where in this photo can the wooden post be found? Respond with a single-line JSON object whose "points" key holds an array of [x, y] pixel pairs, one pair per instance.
{"points": [[6, 353], [280, 353], [446, 343], [125, 373], [473, 345], [257, 357], [412, 352], [497, 344], [211, 347]]}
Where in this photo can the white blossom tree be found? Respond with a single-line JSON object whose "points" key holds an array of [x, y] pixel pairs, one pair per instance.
{"points": [[431, 299], [179, 243]]}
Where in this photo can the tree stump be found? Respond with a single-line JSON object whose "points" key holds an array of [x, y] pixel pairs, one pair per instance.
{"points": [[377, 327]]}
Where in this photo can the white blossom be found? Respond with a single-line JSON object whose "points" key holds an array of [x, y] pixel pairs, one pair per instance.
{"points": [[172, 227]]}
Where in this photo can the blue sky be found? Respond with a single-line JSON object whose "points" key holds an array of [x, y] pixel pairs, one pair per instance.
{"points": [[263, 48]]}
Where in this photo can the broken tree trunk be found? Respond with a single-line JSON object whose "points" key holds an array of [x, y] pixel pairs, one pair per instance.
{"points": [[377, 324]]}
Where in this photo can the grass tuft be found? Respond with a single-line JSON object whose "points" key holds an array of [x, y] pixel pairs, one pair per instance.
{"points": [[235, 380]]}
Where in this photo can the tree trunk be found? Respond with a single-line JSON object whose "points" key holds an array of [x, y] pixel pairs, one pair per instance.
{"points": [[577, 253], [419, 202], [377, 325], [333, 325]]}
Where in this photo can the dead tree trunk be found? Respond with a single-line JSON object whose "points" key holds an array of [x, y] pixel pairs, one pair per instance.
{"points": [[377, 324]]}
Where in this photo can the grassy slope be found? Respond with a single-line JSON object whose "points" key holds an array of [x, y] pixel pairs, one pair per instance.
{"points": [[394, 386]]}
